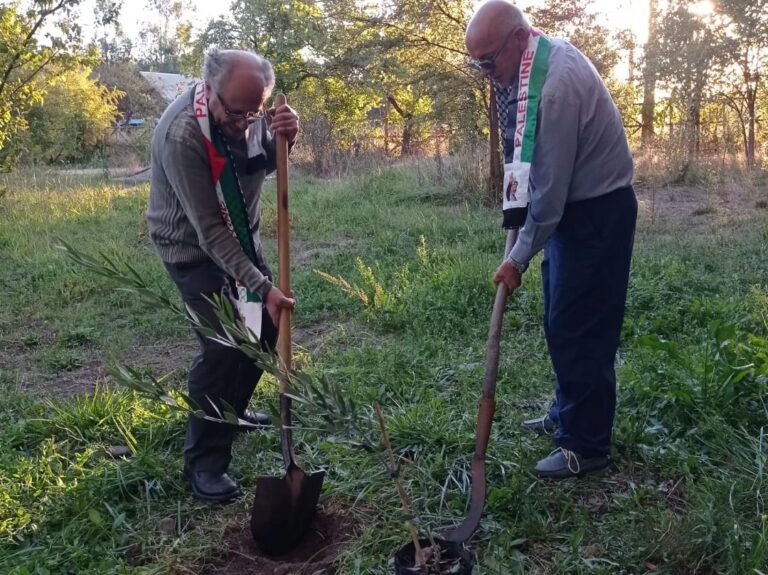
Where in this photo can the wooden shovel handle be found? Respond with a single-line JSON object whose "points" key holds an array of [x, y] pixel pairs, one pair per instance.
{"points": [[488, 402], [283, 246]]}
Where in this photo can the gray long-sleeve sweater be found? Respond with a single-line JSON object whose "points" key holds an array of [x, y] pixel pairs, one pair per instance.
{"points": [[184, 219], [581, 149]]}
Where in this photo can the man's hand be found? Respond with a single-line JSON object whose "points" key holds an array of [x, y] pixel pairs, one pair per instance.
{"points": [[276, 302], [285, 121], [508, 274]]}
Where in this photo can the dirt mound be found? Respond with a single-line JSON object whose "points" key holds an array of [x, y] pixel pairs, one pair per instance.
{"points": [[316, 555]]}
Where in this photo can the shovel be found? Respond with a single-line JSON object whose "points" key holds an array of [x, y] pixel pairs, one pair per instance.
{"points": [[485, 412], [284, 508]]}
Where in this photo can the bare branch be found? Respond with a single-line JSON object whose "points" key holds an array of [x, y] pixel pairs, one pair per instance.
{"points": [[32, 31]]}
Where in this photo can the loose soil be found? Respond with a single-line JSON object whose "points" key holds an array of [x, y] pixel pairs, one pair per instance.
{"points": [[316, 555]]}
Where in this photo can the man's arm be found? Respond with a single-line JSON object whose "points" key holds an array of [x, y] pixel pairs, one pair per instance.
{"points": [[186, 167], [554, 157]]}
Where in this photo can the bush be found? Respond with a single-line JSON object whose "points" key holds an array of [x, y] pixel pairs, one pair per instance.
{"points": [[70, 125]]}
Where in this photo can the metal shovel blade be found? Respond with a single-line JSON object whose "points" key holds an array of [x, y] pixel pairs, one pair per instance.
{"points": [[477, 494], [284, 508]]}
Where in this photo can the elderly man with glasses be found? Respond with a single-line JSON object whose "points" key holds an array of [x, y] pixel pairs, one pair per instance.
{"points": [[211, 151], [566, 150]]}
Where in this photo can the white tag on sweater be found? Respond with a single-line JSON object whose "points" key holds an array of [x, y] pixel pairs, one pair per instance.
{"points": [[256, 137]]}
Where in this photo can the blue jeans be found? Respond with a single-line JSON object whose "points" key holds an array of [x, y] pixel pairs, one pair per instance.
{"points": [[585, 273]]}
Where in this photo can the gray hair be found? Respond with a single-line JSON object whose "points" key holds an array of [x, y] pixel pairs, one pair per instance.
{"points": [[219, 63]]}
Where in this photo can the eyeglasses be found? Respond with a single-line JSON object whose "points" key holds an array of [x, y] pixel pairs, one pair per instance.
{"points": [[237, 116], [488, 64]]}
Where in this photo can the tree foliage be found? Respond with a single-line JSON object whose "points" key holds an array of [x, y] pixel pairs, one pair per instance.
{"points": [[35, 38], [392, 76], [746, 25], [165, 39], [70, 123]]}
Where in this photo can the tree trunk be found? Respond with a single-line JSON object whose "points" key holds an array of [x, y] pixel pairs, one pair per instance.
{"points": [[386, 128], [496, 175], [751, 99], [751, 83], [693, 125], [671, 123], [649, 78], [405, 148]]}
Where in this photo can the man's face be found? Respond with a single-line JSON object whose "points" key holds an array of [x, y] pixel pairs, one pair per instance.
{"points": [[498, 54], [235, 101]]}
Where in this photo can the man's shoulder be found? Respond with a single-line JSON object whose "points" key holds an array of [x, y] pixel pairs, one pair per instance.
{"points": [[568, 69], [178, 122]]}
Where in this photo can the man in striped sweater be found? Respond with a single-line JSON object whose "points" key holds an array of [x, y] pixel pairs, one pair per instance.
{"points": [[210, 152]]}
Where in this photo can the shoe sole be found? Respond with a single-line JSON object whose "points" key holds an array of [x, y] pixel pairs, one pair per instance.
{"points": [[594, 472], [253, 427], [538, 430], [216, 498]]}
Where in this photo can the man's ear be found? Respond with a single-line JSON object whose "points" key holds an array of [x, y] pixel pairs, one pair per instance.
{"points": [[521, 38]]}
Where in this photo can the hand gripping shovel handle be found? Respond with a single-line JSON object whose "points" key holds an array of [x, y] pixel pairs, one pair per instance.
{"points": [[485, 412], [284, 268]]}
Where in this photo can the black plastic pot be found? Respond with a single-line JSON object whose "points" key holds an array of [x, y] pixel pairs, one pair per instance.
{"points": [[451, 554]]}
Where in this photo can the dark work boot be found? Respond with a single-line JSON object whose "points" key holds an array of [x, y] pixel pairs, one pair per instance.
{"points": [[257, 418], [210, 486]]}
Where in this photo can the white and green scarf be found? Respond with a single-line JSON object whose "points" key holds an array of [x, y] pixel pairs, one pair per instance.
{"points": [[232, 206], [519, 138]]}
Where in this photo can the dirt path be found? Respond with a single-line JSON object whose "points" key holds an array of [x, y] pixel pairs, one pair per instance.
{"points": [[83, 369], [696, 210]]}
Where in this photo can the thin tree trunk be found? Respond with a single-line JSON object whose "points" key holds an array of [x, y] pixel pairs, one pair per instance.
{"points": [[386, 127], [751, 99], [671, 123], [405, 148], [649, 78], [751, 82], [494, 184], [693, 124]]}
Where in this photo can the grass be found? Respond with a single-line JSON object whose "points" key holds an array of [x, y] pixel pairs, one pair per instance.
{"points": [[404, 321]]}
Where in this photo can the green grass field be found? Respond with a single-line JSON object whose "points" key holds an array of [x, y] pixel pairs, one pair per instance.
{"points": [[685, 493]]}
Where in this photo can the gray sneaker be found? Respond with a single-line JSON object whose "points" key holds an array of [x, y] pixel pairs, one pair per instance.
{"points": [[565, 464], [543, 425]]}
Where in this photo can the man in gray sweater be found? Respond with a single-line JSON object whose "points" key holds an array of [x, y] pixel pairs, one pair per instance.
{"points": [[564, 143], [210, 152]]}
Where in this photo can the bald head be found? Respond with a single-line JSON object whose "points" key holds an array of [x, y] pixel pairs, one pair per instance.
{"points": [[494, 18], [496, 36]]}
